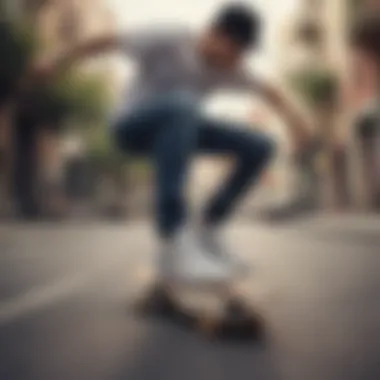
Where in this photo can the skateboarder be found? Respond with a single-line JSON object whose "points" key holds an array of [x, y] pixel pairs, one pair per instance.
{"points": [[160, 116]]}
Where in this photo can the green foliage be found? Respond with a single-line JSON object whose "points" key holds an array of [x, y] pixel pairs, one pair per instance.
{"points": [[81, 97], [99, 142], [317, 87], [102, 152]]}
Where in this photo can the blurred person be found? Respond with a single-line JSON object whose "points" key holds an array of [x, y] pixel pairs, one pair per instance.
{"points": [[161, 117], [365, 42]]}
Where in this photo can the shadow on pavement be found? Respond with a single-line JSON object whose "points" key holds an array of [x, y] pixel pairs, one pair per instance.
{"points": [[173, 354]]}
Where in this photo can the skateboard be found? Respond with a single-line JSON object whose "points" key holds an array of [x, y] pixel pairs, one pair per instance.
{"points": [[215, 310]]}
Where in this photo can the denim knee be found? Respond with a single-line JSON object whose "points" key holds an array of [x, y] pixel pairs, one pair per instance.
{"points": [[259, 152], [267, 149]]}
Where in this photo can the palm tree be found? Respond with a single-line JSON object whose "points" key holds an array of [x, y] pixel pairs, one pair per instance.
{"points": [[319, 88]]}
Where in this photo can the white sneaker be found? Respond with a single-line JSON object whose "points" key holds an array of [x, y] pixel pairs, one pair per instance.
{"points": [[165, 261], [213, 245], [185, 260]]}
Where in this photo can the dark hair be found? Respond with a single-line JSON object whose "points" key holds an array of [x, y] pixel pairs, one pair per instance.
{"points": [[365, 34], [240, 23]]}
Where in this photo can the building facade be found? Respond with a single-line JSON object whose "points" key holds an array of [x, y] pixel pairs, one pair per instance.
{"points": [[315, 39]]}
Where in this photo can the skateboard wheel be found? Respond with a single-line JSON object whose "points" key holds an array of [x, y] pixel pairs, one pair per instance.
{"points": [[158, 301], [241, 321], [237, 309], [208, 325]]}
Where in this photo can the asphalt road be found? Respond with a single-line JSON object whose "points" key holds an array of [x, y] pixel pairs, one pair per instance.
{"points": [[65, 291]]}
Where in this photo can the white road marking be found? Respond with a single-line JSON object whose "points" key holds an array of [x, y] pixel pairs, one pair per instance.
{"points": [[40, 297]]}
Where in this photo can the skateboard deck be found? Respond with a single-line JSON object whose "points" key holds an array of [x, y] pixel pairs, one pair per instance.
{"points": [[214, 309]]}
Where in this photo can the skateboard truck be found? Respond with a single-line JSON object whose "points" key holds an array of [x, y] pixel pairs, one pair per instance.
{"points": [[233, 319]]}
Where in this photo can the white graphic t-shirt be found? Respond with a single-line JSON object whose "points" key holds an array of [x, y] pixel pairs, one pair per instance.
{"points": [[167, 61]]}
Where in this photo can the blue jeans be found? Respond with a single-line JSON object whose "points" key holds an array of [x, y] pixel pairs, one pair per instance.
{"points": [[170, 130]]}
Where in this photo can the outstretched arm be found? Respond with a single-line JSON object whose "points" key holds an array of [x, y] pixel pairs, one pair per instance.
{"points": [[87, 49], [285, 106], [136, 44], [47, 67]]}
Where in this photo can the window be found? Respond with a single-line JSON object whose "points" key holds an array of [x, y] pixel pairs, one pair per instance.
{"points": [[310, 33]]}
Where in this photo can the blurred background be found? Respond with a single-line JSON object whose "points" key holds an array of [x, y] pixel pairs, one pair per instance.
{"points": [[65, 287], [56, 158]]}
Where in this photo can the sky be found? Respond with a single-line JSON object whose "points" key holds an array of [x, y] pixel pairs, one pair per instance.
{"points": [[195, 12]]}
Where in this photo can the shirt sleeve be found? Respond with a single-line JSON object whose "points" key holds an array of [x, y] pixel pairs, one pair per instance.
{"points": [[140, 43]]}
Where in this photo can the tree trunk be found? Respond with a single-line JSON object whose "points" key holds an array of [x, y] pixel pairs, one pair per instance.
{"points": [[5, 156], [25, 173], [329, 175]]}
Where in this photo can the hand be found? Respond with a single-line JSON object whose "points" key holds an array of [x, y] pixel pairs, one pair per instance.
{"points": [[44, 70], [41, 71]]}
